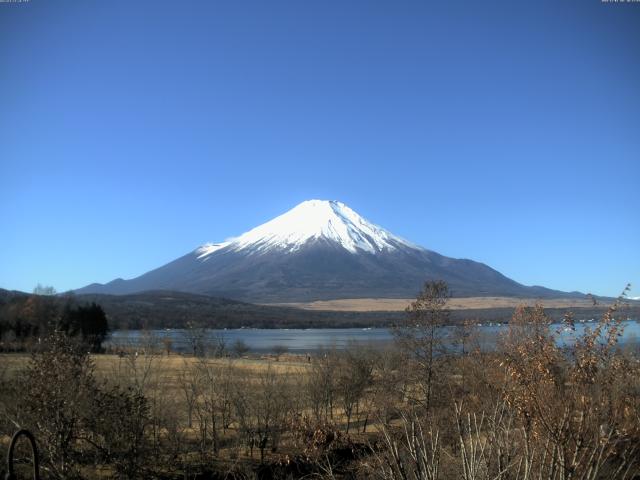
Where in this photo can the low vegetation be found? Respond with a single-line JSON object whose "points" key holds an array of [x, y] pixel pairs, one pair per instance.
{"points": [[421, 409]]}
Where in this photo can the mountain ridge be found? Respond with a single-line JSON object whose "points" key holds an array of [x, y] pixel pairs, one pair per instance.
{"points": [[170, 309]]}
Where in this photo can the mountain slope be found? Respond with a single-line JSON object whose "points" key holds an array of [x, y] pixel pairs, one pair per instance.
{"points": [[319, 250]]}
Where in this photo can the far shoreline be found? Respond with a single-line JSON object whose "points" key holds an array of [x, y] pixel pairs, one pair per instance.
{"points": [[454, 303]]}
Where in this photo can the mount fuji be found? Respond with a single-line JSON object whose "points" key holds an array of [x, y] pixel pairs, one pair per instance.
{"points": [[319, 250]]}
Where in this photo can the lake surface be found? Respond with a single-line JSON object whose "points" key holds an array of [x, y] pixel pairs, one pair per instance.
{"points": [[315, 339]]}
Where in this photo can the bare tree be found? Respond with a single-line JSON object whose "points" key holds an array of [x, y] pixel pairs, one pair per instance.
{"points": [[218, 346], [195, 335], [354, 377], [262, 410], [58, 387], [420, 337], [118, 432], [413, 453], [167, 342], [190, 389], [279, 350], [212, 399], [44, 290], [389, 384], [321, 385], [240, 348]]}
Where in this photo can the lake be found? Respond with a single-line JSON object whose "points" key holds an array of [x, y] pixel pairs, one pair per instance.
{"points": [[315, 339]]}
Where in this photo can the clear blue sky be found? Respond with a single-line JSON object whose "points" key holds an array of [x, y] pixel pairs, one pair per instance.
{"points": [[506, 132]]}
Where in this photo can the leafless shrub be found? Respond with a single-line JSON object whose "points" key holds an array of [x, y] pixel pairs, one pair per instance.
{"points": [[576, 422], [56, 396], [117, 429], [419, 336], [412, 453], [240, 348], [321, 386], [354, 377], [279, 350], [262, 410]]}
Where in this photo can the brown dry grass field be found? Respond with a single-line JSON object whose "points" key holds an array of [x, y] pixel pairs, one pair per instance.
{"points": [[172, 365], [162, 376], [163, 381], [399, 304]]}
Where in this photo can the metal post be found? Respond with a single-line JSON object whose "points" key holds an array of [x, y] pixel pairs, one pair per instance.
{"points": [[34, 452]]}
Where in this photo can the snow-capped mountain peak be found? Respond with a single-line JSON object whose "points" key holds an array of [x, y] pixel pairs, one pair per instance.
{"points": [[319, 250], [313, 220]]}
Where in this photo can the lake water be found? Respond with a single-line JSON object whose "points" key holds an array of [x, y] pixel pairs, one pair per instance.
{"points": [[314, 339]]}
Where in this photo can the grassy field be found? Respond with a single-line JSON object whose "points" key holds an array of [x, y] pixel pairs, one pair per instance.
{"points": [[172, 365], [163, 378], [399, 304]]}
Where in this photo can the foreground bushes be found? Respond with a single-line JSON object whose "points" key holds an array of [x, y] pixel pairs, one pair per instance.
{"points": [[73, 417], [528, 410], [534, 411]]}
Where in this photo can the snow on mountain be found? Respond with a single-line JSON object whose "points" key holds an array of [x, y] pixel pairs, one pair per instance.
{"points": [[313, 220], [208, 248]]}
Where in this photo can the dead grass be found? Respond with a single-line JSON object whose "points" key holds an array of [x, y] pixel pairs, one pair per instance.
{"points": [[172, 365], [399, 304]]}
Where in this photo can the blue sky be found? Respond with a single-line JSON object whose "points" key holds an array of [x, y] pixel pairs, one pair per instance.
{"points": [[506, 132]]}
